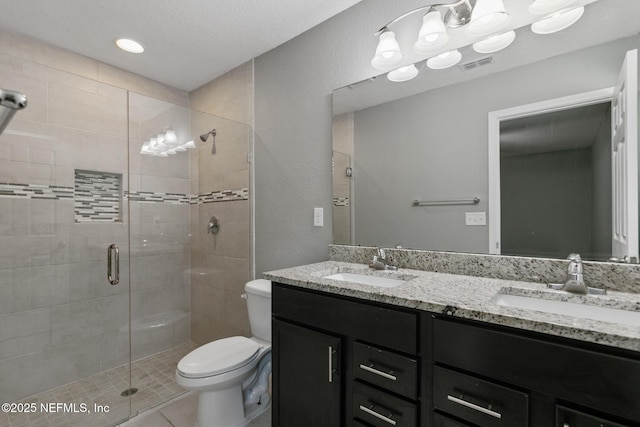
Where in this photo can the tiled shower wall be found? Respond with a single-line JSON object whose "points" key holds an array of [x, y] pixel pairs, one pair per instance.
{"points": [[59, 318], [221, 264]]}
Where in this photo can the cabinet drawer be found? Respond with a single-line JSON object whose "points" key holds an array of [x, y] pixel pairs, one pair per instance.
{"points": [[478, 401], [386, 369], [375, 323], [381, 409], [593, 379], [566, 417], [442, 421]]}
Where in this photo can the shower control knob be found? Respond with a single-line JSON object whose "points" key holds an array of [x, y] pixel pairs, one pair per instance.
{"points": [[214, 225]]}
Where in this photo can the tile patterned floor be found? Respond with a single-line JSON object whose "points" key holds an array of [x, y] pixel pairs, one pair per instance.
{"points": [[153, 376], [181, 412]]}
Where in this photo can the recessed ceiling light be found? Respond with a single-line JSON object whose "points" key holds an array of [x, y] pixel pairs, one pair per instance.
{"points": [[129, 45]]}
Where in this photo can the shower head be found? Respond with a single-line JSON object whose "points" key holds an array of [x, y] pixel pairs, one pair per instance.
{"points": [[10, 102], [205, 136]]}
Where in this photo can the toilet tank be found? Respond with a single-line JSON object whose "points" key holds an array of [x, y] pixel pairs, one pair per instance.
{"points": [[259, 307]]}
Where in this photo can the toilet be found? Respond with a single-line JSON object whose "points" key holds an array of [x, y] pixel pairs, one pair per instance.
{"points": [[231, 374]]}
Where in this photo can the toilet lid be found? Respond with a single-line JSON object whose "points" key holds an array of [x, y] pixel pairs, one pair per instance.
{"points": [[218, 357]]}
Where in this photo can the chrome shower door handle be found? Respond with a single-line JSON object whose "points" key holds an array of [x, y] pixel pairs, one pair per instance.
{"points": [[113, 279]]}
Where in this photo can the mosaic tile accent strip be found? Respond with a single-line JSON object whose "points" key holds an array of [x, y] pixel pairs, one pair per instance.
{"points": [[151, 197], [33, 191], [223, 196], [97, 196], [93, 206], [341, 201]]}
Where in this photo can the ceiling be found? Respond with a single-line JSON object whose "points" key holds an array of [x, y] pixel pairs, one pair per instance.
{"points": [[187, 43], [568, 129]]}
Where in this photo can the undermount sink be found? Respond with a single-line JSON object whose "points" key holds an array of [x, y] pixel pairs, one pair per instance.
{"points": [[371, 280], [585, 311]]}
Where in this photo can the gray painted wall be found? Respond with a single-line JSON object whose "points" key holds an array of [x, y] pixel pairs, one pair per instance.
{"points": [[293, 88], [546, 204], [293, 113]]}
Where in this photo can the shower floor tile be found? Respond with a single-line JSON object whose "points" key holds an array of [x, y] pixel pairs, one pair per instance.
{"points": [[152, 376]]}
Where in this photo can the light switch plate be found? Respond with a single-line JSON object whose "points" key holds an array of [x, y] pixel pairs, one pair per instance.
{"points": [[318, 217], [475, 218]]}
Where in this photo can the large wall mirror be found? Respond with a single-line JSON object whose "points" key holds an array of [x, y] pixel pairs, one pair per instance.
{"points": [[427, 140]]}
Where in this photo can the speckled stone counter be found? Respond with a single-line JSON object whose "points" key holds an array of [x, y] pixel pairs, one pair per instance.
{"points": [[614, 276], [473, 298]]}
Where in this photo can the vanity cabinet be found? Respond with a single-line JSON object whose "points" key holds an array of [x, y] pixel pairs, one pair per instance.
{"points": [[490, 376], [343, 362], [340, 361], [312, 374]]}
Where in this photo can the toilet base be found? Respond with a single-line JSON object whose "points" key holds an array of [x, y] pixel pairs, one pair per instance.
{"points": [[221, 408], [224, 408]]}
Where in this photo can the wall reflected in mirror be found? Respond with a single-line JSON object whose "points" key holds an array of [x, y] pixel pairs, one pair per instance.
{"points": [[430, 143], [555, 181]]}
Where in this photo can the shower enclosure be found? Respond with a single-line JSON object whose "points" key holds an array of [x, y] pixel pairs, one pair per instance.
{"points": [[81, 344]]}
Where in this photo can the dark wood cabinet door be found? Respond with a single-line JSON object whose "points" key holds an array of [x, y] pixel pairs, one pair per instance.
{"points": [[306, 377]]}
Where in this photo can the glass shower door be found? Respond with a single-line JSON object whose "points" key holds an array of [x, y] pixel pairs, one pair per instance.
{"points": [[160, 197], [64, 329]]}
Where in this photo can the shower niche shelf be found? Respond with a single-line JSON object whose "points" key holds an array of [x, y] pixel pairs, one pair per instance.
{"points": [[97, 196]]}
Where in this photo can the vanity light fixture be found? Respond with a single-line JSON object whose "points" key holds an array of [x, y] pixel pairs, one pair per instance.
{"points": [[495, 43], [557, 21], [487, 17], [433, 34], [480, 17], [403, 74], [388, 53], [164, 144], [483, 20], [129, 45], [444, 60], [546, 7]]}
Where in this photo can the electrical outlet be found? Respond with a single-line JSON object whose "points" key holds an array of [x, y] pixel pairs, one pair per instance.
{"points": [[318, 217], [475, 218]]}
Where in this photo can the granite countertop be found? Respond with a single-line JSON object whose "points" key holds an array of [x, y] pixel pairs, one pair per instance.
{"points": [[473, 298]]}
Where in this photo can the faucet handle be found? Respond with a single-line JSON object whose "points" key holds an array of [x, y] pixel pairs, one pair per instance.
{"points": [[574, 257], [575, 269]]}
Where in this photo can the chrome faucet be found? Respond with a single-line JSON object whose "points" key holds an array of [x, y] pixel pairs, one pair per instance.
{"points": [[575, 281], [379, 261]]}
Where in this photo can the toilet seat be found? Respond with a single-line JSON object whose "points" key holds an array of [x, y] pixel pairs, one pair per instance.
{"points": [[218, 357]]}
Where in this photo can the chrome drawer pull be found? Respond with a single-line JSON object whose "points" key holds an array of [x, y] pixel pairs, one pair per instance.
{"points": [[377, 372], [377, 415], [331, 370], [474, 407]]}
